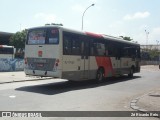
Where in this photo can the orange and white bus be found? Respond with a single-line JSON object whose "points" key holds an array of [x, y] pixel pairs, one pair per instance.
{"points": [[55, 51]]}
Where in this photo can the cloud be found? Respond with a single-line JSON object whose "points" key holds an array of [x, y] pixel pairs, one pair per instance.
{"points": [[138, 15], [46, 17]]}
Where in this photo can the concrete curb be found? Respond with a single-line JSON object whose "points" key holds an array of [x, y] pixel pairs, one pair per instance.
{"points": [[137, 108], [133, 103]]}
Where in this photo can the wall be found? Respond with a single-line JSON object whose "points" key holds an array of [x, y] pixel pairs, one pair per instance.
{"points": [[143, 62], [8, 65]]}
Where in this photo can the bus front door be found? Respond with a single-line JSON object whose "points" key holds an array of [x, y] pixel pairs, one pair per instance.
{"points": [[84, 60]]}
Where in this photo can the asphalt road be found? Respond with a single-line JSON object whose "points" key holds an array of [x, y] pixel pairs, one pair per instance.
{"points": [[114, 94]]}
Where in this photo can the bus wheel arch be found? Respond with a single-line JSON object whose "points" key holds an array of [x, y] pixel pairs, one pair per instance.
{"points": [[100, 75]]}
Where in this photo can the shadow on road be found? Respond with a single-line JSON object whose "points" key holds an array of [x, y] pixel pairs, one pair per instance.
{"points": [[66, 86]]}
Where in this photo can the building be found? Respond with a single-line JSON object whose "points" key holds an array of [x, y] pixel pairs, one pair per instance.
{"points": [[150, 47]]}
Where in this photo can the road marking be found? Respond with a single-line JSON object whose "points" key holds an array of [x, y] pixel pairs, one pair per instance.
{"points": [[12, 96]]}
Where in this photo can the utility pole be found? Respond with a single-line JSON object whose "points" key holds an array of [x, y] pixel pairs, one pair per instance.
{"points": [[84, 13], [147, 34]]}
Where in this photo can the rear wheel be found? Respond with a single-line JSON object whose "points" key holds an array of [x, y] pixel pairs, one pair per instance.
{"points": [[100, 75], [130, 75]]}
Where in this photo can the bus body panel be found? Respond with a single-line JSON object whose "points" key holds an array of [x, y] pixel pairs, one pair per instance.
{"points": [[71, 65], [44, 59], [76, 68], [47, 51], [110, 65], [93, 67]]}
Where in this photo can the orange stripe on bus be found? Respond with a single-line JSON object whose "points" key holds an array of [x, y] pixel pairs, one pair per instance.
{"points": [[94, 35], [106, 63]]}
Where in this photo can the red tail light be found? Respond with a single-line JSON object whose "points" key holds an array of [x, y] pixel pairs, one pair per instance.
{"points": [[25, 61], [57, 62]]}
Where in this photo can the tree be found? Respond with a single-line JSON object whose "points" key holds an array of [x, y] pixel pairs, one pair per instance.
{"points": [[18, 41], [126, 38], [154, 54]]}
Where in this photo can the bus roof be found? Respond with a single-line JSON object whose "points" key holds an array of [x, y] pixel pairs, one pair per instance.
{"points": [[112, 38]]}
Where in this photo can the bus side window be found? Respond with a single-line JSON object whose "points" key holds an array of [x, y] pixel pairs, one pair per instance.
{"points": [[67, 45], [101, 49], [71, 44], [75, 46], [84, 44], [94, 50], [111, 50], [137, 50], [125, 52], [98, 47], [106, 49]]}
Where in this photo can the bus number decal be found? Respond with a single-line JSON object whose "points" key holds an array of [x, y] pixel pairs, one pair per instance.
{"points": [[69, 62]]}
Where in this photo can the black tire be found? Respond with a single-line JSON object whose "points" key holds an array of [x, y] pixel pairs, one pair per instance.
{"points": [[100, 75], [130, 75]]}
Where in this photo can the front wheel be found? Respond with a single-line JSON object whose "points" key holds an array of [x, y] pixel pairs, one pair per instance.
{"points": [[100, 75], [130, 75]]}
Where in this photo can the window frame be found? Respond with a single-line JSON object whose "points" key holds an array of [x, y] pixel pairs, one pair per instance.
{"points": [[46, 33], [72, 37]]}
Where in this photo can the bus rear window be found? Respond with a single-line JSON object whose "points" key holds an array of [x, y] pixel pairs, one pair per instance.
{"points": [[53, 36], [36, 37], [43, 36]]}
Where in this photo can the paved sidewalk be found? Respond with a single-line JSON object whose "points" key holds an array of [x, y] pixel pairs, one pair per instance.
{"points": [[17, 77], [149, 101], [150, 67]]}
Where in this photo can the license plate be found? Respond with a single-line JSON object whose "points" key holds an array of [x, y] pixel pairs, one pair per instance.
{"points": [[40, 65]]}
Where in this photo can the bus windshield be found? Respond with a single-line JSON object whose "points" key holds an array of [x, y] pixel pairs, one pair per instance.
{"points": [[43, 36]]}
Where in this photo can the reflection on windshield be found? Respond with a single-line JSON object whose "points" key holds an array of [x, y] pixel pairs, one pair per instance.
{"points": [[36, 37], [41, 36]]}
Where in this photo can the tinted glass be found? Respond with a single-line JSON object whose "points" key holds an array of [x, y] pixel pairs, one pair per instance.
{"points": [[6, 50], [43, 36], [37, 36]]}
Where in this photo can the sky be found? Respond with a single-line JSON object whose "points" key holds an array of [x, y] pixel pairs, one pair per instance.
{"points": [[111, 17]]}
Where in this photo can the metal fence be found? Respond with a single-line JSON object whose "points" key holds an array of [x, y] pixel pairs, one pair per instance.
{"points": [[143, 62]]}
